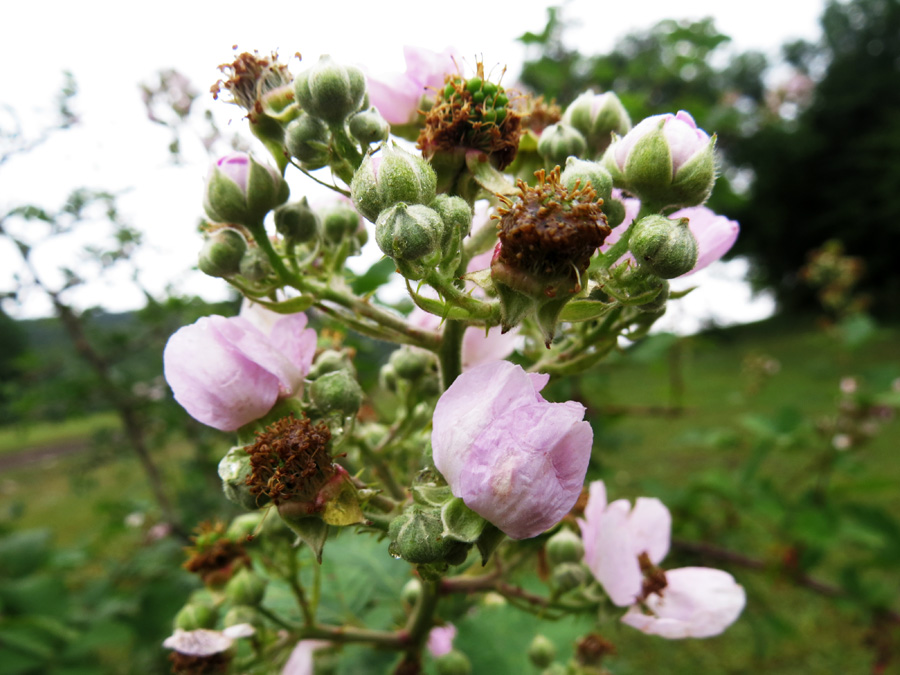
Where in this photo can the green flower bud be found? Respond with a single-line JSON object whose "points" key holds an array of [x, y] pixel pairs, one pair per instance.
{"points": [[242, 614], [246, 588], [255, 266], [597, 117], [337, 392], [417, 537], [412, 591], [340, 220], [308, 139], [409, 234], [330, 361], [453, 662], [221, 253], [241, 190], [411, 364], [195, 615], [244, 525], [541, 651], [329, 90], [234, 470], [369, 126], [387, 378], [569, 575], [456, 215], [665, 247], [564, 547], [560, 141], [389, 177], [583, 172], [297, 221]]}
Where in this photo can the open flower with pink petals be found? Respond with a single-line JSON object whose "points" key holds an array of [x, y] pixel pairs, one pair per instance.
{"points": [[514, 458], [398, 96], [226, 372], [623, 545]]}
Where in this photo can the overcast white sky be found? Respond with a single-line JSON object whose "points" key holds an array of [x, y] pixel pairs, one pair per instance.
{"points": [[112, 46]]}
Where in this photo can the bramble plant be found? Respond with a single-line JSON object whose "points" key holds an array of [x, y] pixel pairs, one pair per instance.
{"points": [[531, 244]]}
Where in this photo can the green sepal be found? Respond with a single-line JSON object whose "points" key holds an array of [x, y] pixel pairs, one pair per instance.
{"points": [[487, 176], [431, 495], [585, 310], [312, 531], [491, 537], [461, 522]]}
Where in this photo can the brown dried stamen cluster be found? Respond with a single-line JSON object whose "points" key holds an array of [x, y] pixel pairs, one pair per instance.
{"points": [[550, 231], [592, 649], [250, 77], [185, 664], [290, 460], [536, 113], [458, 121], [214, 552], [654, 577]]}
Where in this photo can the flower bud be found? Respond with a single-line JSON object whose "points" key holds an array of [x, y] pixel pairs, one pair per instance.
{"points": [[564, 547], [255, 266], [387, 378], [245, 525], [329, 90], [664, 247], [560, 141], [234, 470], [665, 161], [241, 190], [340, 220], [579, 171], [330, 361], [412, 591], [221, 253], [541, 651], [391, 177], [456, 215], [245, 588], [368, 126], [409, 234], [195, 615], [597, 117], [411, 364], [307, 138], [240, 614], [337, 392], [297, 221], [453, 662], [417, 537], [569, 575]]}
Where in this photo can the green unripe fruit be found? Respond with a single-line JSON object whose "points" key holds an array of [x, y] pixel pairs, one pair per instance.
{"points": [[541, 651], [369, 126], [245, 588], [221, 254], [307, 138], [559, 141], [337, 392], [330, 91], [416, 536], [664, 247], [297, 221]]}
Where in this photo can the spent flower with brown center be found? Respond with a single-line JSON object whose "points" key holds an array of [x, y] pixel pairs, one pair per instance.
{"points": [[472, 114], [214, 556], [254, 83], [291, 460], [548, 234]]}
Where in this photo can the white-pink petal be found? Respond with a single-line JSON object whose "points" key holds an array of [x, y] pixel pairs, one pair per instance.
{"points": [[698, 602], [440, 639]]}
